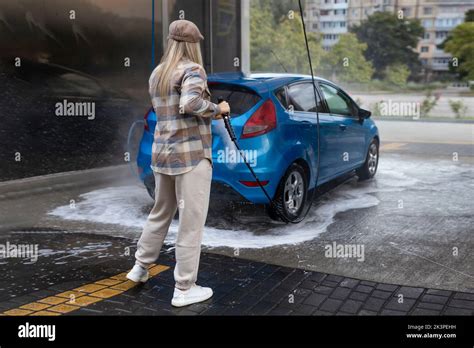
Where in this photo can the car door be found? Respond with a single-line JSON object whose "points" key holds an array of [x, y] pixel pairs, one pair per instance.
{"points": [[350, 143], [303, 109]]}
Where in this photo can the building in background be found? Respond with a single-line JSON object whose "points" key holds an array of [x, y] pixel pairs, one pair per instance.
{"points": [[359, 10], [328, 17], [438, 17], [334, 17]]}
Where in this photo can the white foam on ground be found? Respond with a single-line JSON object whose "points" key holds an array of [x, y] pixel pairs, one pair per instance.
{"points": [[125, 206]]}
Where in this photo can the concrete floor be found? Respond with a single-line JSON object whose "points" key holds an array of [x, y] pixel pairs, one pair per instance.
{"points": [[414, 221], [409, 220]]}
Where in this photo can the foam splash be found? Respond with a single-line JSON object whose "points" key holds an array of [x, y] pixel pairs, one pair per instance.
{"points": [[125, 205]]}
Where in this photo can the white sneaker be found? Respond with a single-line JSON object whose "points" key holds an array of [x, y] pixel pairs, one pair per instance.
{"points": [[138, 274], [194, 295]]}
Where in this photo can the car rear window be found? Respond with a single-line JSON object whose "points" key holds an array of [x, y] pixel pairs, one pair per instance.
{"points": [[241, 99]]}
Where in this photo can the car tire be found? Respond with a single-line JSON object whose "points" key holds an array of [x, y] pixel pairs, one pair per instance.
{"points": [[369, 168], [291, 195]]}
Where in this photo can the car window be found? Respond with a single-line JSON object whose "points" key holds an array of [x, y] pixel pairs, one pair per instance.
{"points": [[301, 98], [281, 96], [337, 102], [240, 98]]}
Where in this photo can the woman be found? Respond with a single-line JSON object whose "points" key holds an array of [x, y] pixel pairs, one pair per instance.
{"points": [[181, 161]]}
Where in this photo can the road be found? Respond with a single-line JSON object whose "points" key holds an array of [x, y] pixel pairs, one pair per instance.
{"points": [[413, 223], [427, 132], [442, 109]]}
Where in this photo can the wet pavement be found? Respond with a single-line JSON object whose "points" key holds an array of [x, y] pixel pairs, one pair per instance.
{"points": [[409, 230], [410, 220], [83, 274]]}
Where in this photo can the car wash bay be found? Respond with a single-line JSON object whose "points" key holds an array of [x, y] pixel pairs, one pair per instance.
{"points": [[414, 220]]}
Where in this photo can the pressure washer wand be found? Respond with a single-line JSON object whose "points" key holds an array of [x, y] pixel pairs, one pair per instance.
{"points": [[228, 126], [230, 131]]}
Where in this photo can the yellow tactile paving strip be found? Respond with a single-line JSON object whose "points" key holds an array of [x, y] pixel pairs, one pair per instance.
{"points": [[392, 146], [82, 296]]}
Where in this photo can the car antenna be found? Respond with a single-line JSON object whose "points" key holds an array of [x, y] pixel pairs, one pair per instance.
{"points": [[279, 61]]}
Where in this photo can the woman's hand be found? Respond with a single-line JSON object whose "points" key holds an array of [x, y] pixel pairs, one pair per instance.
{"points": [[225, 108]]}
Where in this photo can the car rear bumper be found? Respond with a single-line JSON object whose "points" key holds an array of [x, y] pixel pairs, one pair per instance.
{"points": [[227, 177], [232, 178], [229, 189], [219, 190]]}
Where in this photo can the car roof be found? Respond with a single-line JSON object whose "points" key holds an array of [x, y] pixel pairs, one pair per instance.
{"points": [[261, 82], [276, 76]]}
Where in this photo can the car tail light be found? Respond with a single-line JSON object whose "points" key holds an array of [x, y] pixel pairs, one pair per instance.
{"points": [[253, 183], [146, 119], [261, 122]]}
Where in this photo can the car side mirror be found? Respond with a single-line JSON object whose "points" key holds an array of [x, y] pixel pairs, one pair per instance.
{"points": [[363, 114]]}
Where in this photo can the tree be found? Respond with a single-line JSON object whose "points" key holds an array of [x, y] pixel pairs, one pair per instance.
{"points": [[453, 66], [461, 47], [346, 60], [280, 8], [390, 40], [469, 16], [397, 74], [278, 44]]}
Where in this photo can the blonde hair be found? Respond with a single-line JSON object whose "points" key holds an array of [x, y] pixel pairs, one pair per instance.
{"points": [[175, 51]]}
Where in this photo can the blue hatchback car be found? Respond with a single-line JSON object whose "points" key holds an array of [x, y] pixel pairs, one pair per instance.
{"points": [[274, 118]]}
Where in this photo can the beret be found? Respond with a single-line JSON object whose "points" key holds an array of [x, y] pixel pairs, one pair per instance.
{"points": [[183, 30]]}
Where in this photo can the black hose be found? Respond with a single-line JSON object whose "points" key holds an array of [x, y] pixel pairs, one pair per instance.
{"points": [[230, 131]]}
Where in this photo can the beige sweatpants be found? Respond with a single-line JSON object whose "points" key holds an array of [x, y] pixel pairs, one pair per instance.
{"points": [[189, 193]]}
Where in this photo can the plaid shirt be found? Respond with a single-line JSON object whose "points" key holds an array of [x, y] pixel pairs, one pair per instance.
{"points": [[183, 129]]}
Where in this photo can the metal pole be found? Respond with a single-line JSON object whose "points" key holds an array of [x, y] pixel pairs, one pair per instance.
{"points": [[165, 21], [211, 22], [245, 37], [152, 34]]}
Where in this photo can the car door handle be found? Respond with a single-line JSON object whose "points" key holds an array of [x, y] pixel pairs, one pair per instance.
{"points": [[343, 127]]}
